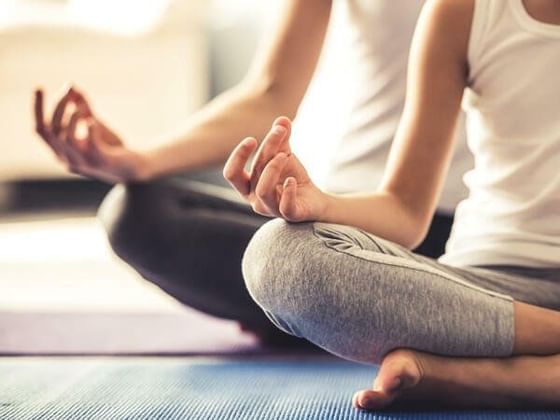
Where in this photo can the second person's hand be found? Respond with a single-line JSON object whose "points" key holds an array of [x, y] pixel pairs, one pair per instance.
{"points": [[278, 184]]}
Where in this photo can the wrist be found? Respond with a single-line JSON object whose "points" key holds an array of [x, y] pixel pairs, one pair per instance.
{"points": [[327, 208], [144, 168]]}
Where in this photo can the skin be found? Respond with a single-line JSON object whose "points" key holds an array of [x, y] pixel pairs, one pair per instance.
{"points": [[546, 11], [278, 185]]}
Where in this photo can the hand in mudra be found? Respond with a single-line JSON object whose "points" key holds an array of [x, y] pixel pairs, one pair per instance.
{"points": [[278, 184], [83, 143]]}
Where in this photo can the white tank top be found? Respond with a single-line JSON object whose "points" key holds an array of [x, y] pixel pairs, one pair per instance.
{"points": [[374, 48], [512, 214]]}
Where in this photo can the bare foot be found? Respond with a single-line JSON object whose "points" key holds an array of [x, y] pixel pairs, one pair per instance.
{"points": [[409, 378]]}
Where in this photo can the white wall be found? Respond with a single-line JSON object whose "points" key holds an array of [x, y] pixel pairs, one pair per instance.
{"points": [[141, 83]]}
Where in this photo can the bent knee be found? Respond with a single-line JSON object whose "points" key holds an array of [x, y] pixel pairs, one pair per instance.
{"points": [[128, 214], [273, 264], [307, 282]]}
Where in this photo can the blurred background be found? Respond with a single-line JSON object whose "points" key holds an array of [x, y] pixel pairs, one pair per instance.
{"points": [[145, 65]]}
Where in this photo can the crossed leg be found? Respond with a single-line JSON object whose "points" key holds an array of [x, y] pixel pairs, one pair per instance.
{"points": [[529, 378], [444, 336]]}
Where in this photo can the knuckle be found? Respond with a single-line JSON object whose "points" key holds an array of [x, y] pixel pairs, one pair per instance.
{"points": [[260, 209], [289, 214]]}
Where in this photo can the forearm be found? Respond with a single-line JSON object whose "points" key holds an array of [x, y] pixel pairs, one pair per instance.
{"points": [[210, 135], [380, 213]]}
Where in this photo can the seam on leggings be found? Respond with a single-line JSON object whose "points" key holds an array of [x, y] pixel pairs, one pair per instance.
{"points": [[413, 265]]}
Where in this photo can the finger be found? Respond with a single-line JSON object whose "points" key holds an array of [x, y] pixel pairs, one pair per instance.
{"points": [[43, 129], [234, 169], [94, 146], [58, 114], [81, 102], [267, 150], [266, 188], [287, 124], [288, 204], [72, 148], [71, 132], [57, 146], [259, 208], [355, 402], [40, 125], [368, 399]]}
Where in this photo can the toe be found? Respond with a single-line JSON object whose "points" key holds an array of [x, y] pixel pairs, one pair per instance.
{"points": [[355, 400], [372, 400], [398, 374]]}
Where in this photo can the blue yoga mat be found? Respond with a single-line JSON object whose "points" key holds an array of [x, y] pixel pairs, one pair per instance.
{"points": [[152, 388]]}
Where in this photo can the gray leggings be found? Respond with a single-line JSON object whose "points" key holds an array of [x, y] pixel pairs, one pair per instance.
{"points": [[359, 296]]}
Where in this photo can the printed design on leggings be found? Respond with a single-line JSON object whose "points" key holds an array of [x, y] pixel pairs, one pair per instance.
{"points": [[342, 242]]}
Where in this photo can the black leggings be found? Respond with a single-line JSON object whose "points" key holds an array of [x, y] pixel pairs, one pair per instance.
{"points": [[188, 235]]}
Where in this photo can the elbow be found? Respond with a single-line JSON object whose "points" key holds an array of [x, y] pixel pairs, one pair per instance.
{"points": [[410, 237], [415, 237], [418, 230], [414, 223]]}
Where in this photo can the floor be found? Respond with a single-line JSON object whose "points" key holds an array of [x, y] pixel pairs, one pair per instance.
{"points": [[63, 263], [54, 255]]}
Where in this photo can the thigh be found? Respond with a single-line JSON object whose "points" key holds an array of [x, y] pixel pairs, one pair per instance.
{"points": [[360, 296], [536, 286]]}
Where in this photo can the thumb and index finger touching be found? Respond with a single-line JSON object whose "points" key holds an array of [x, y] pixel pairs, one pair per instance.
{"points": [[234, 170], [73, 96]]}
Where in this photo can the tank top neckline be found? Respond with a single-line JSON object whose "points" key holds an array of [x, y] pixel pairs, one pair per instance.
{"points": [[531, 24]]}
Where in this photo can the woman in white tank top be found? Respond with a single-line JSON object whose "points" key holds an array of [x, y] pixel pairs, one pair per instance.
{"points": [[481, 326]]}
